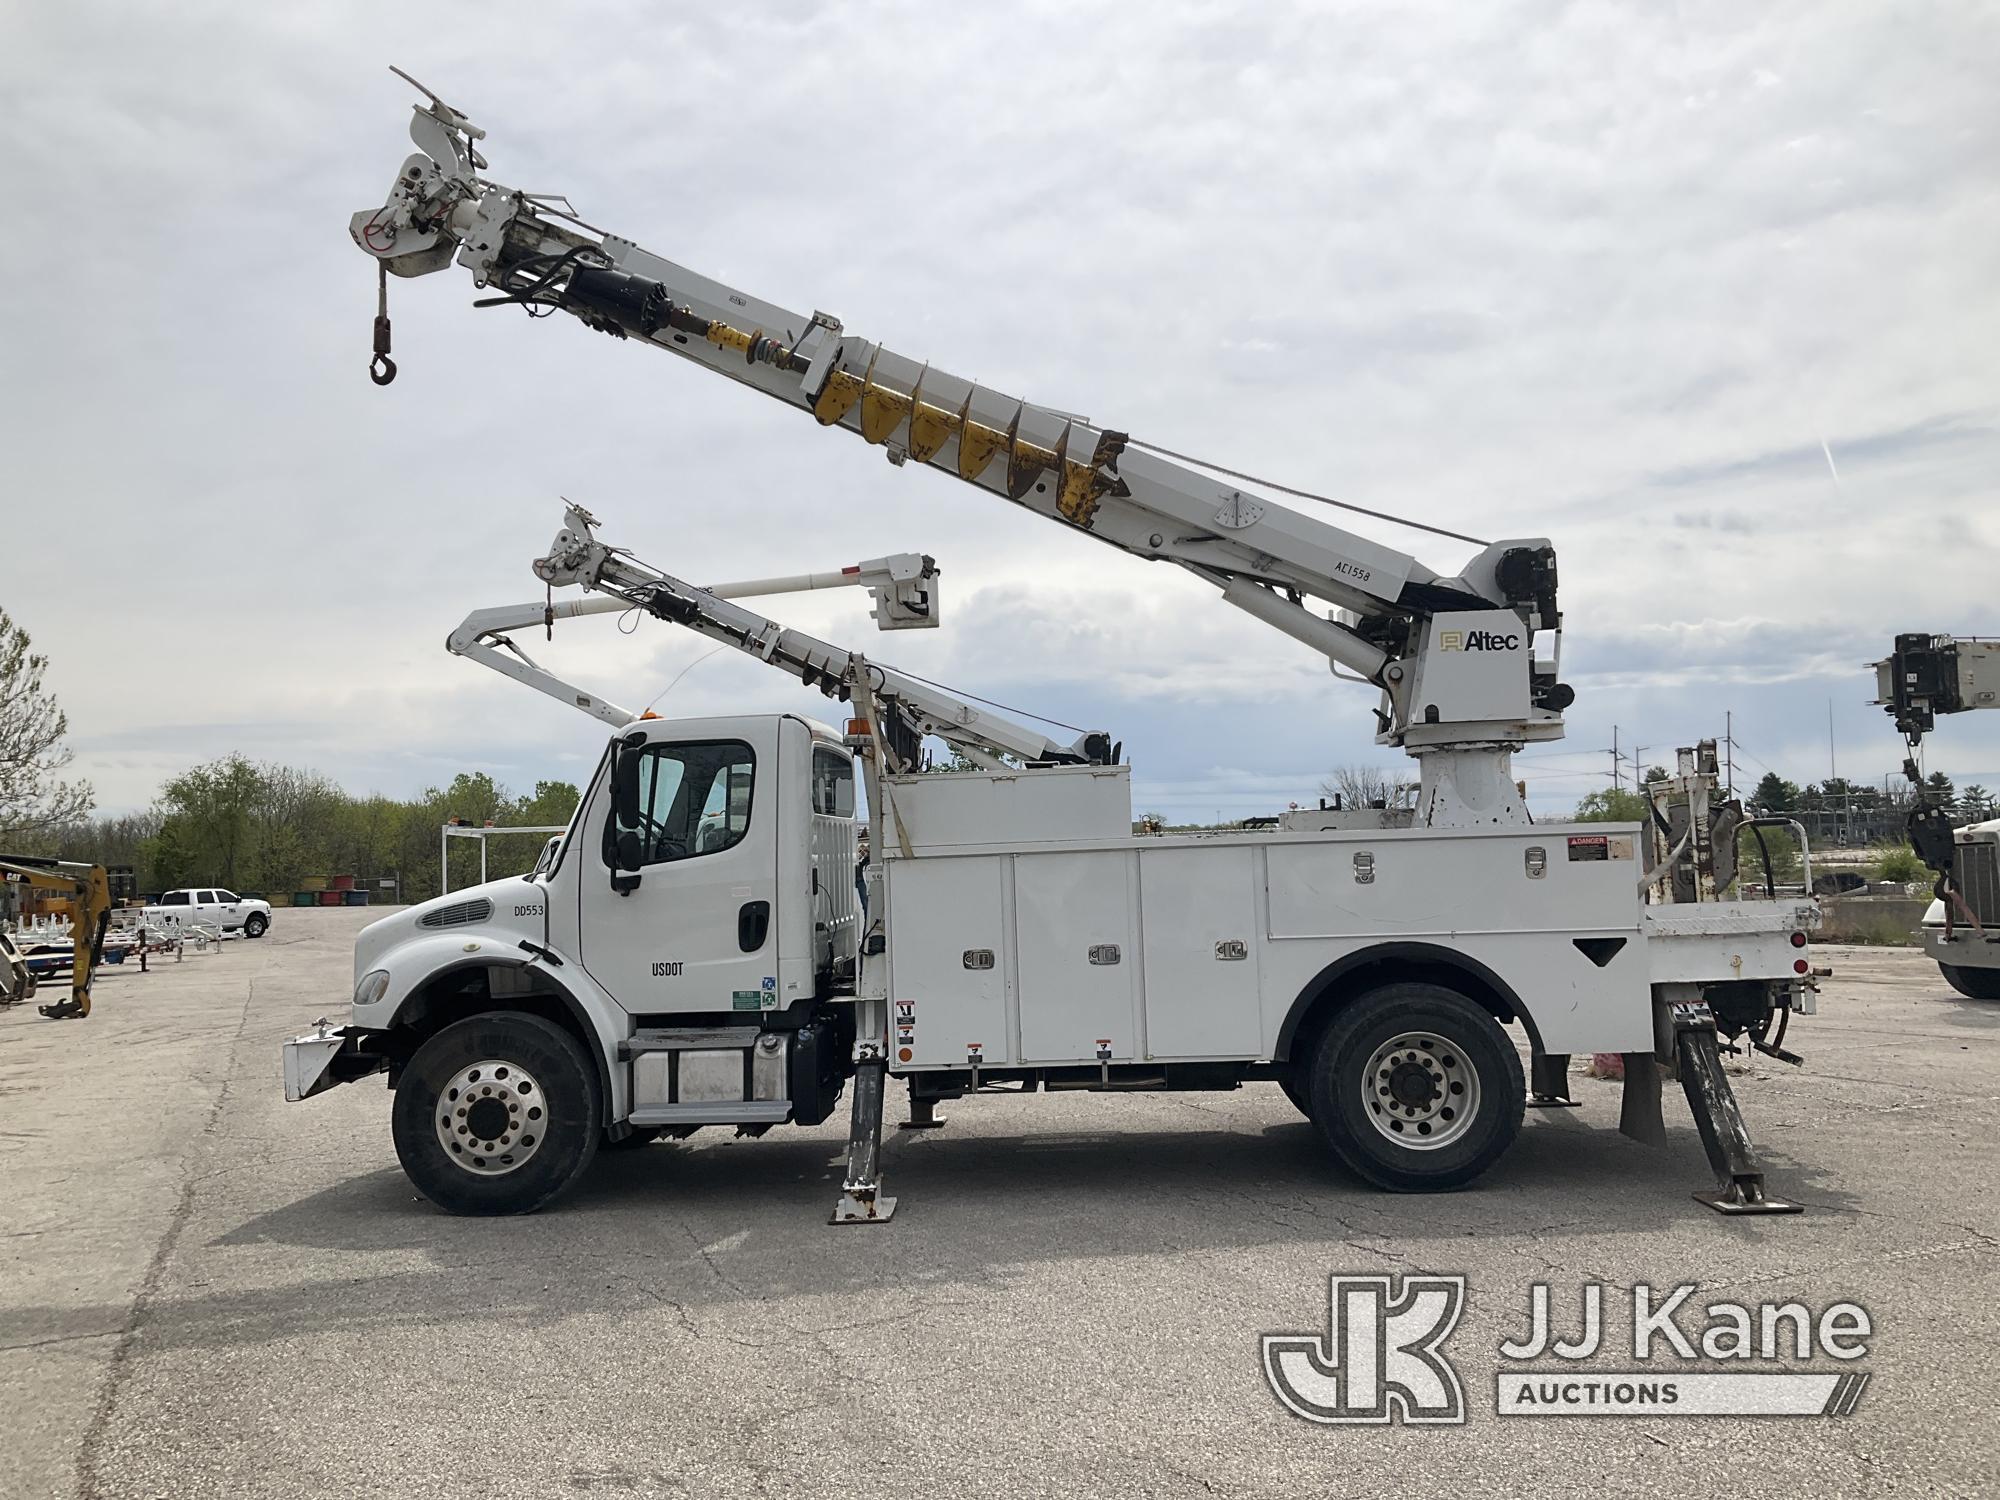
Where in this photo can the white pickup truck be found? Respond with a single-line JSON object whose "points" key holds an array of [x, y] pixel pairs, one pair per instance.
{"points": [[214, 906]]}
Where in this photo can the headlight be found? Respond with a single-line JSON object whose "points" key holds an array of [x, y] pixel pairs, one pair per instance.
{"points": [[373, 987]]}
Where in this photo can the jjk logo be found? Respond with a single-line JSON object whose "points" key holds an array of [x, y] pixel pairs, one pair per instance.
{"points": [[1379, 1360]]}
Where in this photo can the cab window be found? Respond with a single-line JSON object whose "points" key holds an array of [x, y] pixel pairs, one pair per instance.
{"points": [[694, 799], [832, 783], [227, 898], [175, 898]]}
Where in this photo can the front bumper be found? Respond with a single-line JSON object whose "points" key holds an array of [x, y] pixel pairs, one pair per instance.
{"points": [[1968, 949], [323, 1058]]}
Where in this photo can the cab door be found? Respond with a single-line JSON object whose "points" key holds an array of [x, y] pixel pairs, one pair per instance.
{"points": [[693, 926], [228, 909]]}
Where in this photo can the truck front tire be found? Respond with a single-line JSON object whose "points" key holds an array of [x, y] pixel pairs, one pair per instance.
{"points": [[1416, 1088], [497, 1114], [255, 924], [1974, 984]]}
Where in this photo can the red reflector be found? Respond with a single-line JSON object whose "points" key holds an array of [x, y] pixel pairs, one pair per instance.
{"points": [[1798, 940], [1799, 966]]}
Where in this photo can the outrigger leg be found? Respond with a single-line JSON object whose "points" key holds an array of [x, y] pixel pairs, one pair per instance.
{"points": [[1723, 1135], [861, 1198]]}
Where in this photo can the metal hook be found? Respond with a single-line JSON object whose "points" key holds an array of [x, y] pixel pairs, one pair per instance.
{"points": [[381, 369]]}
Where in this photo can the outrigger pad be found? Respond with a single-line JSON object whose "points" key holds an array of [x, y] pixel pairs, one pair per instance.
{"points": [[853, 1210], [1734, 1199]]}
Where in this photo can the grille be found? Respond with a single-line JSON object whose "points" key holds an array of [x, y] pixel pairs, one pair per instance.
{"points": [[1978, 872], [461, 914]]}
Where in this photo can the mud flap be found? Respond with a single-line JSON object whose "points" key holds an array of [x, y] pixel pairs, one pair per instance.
{"points": [[1548, 1081], [1639, 1107]]}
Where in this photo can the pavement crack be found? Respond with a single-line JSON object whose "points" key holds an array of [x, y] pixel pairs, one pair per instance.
{"points": [[1980, 1244], [61, 1338], [707, 1259], [119, 1367]]}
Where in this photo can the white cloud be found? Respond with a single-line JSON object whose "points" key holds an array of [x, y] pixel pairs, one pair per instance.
{"points": [[1605, 274]]}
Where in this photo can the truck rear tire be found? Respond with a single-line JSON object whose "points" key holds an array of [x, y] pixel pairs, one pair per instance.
{"points": [[1974, 984], [1416, 1088], [497, 1114]]}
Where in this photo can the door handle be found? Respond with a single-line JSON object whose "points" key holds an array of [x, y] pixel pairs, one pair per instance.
{"points": [[753, 924]]}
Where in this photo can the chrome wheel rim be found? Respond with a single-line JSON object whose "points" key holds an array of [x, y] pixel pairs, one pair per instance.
{"points": [[490, 1117], [1420, 1091]]}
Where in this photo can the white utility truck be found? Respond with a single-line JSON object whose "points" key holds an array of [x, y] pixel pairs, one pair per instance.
{"points": [[1928, 675], [221, 909], [685, 961]]}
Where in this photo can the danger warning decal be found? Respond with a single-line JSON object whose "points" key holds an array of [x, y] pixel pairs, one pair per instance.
{"points": [[1596, 846]]}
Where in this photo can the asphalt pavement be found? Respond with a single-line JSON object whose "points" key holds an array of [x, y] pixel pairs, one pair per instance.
{"points": [[208, 1291]]}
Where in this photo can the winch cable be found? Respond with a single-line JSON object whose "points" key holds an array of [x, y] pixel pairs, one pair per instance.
{"points": [[1286, 489]]}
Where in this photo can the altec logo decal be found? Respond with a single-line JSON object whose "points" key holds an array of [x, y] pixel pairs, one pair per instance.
{"points": [[1478, 640], [1382, 1357]]}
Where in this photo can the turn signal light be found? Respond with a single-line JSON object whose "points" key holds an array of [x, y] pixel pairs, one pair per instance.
{"points": [[857, 728]]}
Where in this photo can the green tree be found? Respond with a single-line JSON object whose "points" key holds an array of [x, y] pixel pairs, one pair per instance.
{"points": [[1939, 787], [553, 802], [1755, 845], [1612, 805], [1897, 862], [1774, 794], [473, 796], [1975, 801], [1656, 773], [210, 827], [33, 728]]}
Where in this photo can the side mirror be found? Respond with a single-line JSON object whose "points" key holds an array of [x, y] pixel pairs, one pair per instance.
{"points": [[625, 783], [631, 853]]}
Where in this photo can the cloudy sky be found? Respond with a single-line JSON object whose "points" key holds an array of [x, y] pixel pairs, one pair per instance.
{"points": [[1705, 293]]}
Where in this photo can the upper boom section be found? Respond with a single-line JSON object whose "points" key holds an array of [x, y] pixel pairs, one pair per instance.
{"points": [[902, 587], [1267, 559]]}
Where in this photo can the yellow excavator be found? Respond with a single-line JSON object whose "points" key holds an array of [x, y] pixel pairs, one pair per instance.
{"points": [[89, 890]]}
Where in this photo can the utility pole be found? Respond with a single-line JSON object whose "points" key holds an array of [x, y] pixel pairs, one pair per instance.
{"points": [[1729, 750], [1617, 766]]}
